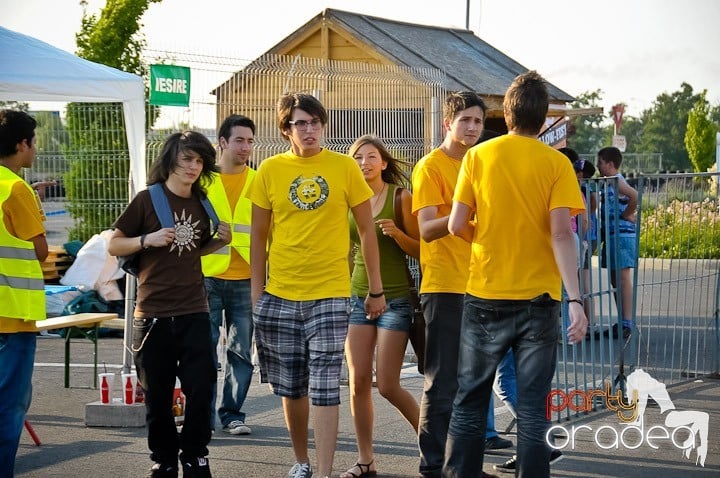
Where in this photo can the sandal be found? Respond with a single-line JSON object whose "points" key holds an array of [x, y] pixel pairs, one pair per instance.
{"points": [[364, 468]]}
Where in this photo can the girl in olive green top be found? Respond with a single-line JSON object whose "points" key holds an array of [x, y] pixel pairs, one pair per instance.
{"points": [[389, 332]]}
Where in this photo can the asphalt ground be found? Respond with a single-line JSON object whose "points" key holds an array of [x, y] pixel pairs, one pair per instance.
{"points": [[70, 449]]}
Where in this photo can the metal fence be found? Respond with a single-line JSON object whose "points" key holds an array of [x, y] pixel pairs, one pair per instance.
{"points": [[636, 163], [87, 157], [675, 294]]}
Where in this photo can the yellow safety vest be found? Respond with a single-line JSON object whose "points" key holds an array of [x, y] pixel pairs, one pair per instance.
{"points": [[22, 288], [217, 262]]}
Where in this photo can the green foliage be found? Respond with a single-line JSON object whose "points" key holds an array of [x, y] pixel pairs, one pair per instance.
{"points": [[664, 127], [681, 229], [98, 151], [587, 133], [700, 135], [14, 105]]}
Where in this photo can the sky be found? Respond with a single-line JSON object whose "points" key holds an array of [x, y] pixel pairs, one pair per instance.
{"points": [[632, 50]]}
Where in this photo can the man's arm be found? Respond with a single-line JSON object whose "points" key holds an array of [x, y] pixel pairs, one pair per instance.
{"points": [[122, 245], [459, 223], [625, 189], [374, 306], [259, 229], [41, 247], [563, 244], [223, 238], [431, 226]]}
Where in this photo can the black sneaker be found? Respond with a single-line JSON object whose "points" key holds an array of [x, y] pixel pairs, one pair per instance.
{"points": [[508, 466], [196, 467], [497, 443], [159, 470], [626, 333]]}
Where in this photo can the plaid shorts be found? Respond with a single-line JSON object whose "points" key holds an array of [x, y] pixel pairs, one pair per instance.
{"points": [[300, 346]]}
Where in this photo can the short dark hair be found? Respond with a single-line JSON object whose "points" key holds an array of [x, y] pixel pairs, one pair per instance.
{"points": [[457, 101], [611, 154], [234, 120], [570, 153], [292, 101], [15, 127], [177, 143], [526, 102]]}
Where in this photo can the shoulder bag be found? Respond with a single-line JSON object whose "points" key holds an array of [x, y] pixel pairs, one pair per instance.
{"points": [[417, 327]]}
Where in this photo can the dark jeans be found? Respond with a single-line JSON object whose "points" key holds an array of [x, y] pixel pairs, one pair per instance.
{"points": [[175, 346], [489, 329], [443, 316]]}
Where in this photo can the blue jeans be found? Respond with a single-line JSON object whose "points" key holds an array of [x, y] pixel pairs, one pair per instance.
{"points": [[232, 296], [489, 329], [397, 316], [505, 386], [17, 356], [443, 316]]}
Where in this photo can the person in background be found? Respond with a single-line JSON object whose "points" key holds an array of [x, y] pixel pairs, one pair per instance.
{"points": [[389, 332], [513, 292], [227, 270], [23, 247], [301, 315], [444, 264], [618, 252], [171, 326]]}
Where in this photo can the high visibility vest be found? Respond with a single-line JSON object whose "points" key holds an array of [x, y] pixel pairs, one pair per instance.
{"points": [[22, 288], [217, 262]]}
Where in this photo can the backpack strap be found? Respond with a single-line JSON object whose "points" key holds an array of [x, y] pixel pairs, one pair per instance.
{"points": [[397, 208], [162, 205], [210, 210], [162, 208]]}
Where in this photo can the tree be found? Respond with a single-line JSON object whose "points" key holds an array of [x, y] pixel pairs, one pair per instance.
{"points": [[632, 129], [98, 151], [14, 105], [586, 132], [700, 135], [665, 124]]}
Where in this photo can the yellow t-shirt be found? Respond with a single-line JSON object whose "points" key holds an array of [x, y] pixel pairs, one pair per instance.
{"points": [[444, 261], [513, 182], [23, 217], [234, 184], [309, 199]]}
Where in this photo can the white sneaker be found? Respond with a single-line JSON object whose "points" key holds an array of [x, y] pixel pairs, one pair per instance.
{"points": [[300, 470], [237, 427]]}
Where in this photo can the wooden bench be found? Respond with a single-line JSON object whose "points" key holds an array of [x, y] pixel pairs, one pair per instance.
{"points": [[87, 325]]}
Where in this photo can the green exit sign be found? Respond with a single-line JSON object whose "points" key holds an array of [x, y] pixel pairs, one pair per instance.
{"points": [[169, 85]]}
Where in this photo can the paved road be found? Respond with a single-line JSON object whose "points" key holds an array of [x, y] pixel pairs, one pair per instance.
{"points": [[71, 449]]}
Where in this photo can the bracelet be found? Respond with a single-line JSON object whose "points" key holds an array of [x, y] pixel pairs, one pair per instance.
{"points": [[375, 296], [142, 241], [577, 301]]}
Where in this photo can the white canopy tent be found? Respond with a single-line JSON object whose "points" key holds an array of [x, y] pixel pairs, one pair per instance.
{"points": [[32, 70]]}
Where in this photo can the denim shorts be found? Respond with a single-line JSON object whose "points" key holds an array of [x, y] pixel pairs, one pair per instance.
{"points": [[626, 254], [398, 315]]}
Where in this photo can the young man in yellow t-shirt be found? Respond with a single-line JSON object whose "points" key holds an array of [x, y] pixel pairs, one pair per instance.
{"points": [[301, 315], [444, 263], [522, 194], [23, 246]]}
